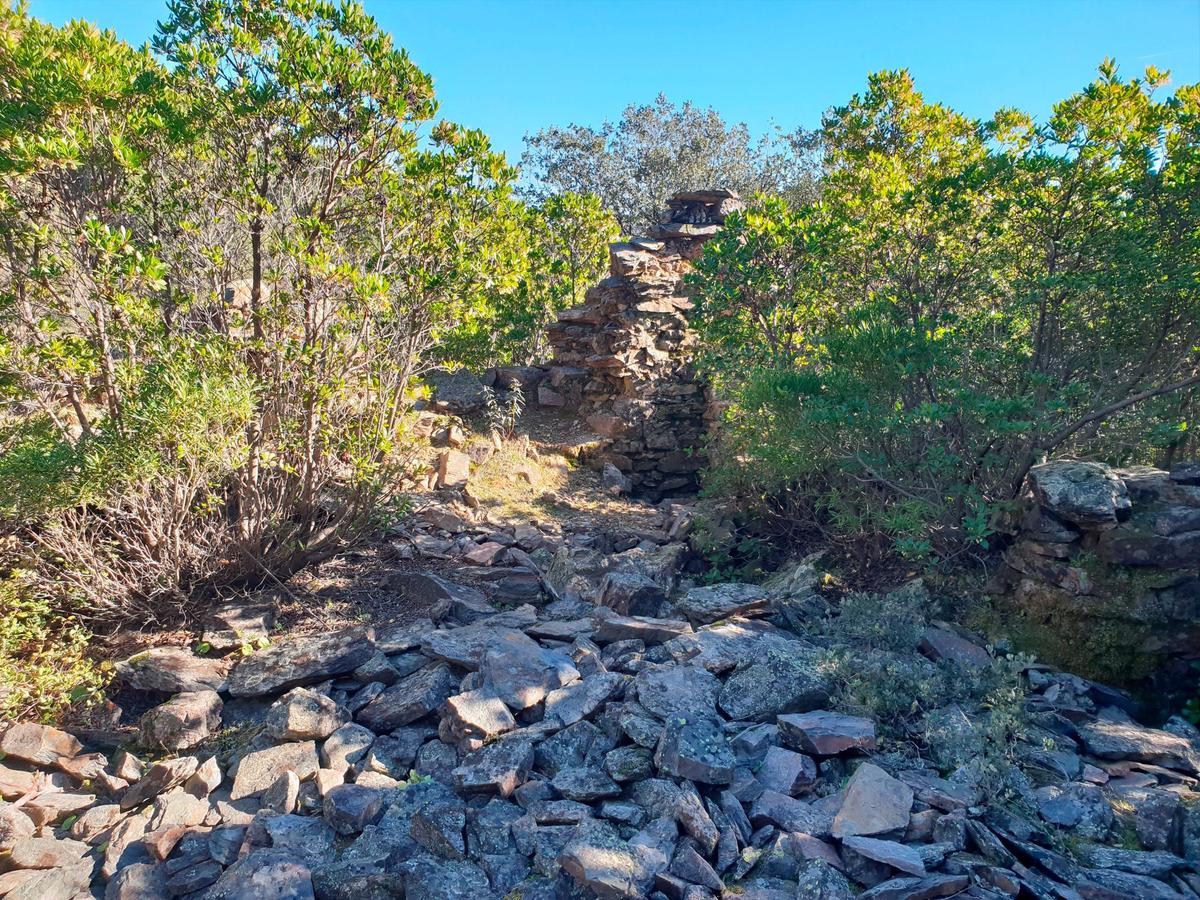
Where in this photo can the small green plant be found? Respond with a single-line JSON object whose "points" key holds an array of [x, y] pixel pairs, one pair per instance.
{"points": [[502, 417], [45, 667], [415, 778]]}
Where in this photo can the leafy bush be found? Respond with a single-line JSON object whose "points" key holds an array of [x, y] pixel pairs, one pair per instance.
{"points": [[217, 281], [44, 664], [954, 715], [965, 299]]}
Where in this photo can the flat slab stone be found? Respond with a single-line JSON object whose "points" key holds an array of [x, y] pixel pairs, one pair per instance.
{"points": [[612, 628], [409, 699], [301, 660], [875, 803], [41, 745], [259, 769], [890, 853], [169, 670], [678, 691], [705, 605], [823, 733], [464, 647], [1125, 740]]}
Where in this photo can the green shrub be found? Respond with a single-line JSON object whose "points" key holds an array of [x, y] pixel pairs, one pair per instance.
{"points": [[964, 299], [45, 668]]}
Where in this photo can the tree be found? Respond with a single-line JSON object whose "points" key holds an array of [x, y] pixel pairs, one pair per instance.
{"points": [[635, 164], [965, 299], [559, 251], [217, 280]]}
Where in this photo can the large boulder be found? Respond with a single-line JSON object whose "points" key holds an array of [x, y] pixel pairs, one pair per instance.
{"points": [[1089, 494]]}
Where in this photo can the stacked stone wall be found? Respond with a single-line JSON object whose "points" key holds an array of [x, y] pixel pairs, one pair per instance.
{"points": [[623, 358], [1103, 570]]}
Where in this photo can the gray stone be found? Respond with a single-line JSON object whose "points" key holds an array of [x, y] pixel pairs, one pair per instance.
{"points": [[890, 853], [478, 714], [521, 673], [439, 829], [600, 861], [301, 660], [304, 715], [140, 881], [1085, 493], [1108, 739], [629, 764], [875, 803], [446, 880], [696, 750], [929, 888], [193, 878], [448, 600], [678, 691], [705, 605], [500, 767], [580, 700], [266, 874], [395, 754], [457, 391], [787, 677], [464, 647], [826, 733], [585, 784], [282, 795], [818, 879], [630, 594], [258, 769], [613, 627], [786, 771], [410, 699], [346, 747], [239, 624], [1081, 807], [349, 808], [170, 670]]}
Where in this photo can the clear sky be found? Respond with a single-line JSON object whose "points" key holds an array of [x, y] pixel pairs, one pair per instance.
{"points": [[513, 67]]}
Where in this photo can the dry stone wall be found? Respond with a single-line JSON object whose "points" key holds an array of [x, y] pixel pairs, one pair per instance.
{"points": [[1104, 567], [623, 357]]}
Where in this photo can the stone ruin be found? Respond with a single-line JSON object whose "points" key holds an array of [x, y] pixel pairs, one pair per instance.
{"points": [[623, 357], [1103, 572]]}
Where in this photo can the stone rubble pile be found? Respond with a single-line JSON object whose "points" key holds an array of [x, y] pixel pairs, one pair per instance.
{"points": [[608, 734], [623, 356], [1106, 563]]}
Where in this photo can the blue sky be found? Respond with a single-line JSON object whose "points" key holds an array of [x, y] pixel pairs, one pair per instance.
{"points": [[514, 67]]}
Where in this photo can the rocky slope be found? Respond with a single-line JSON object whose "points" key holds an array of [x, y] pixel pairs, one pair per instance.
{"points": [[583, 725]]}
